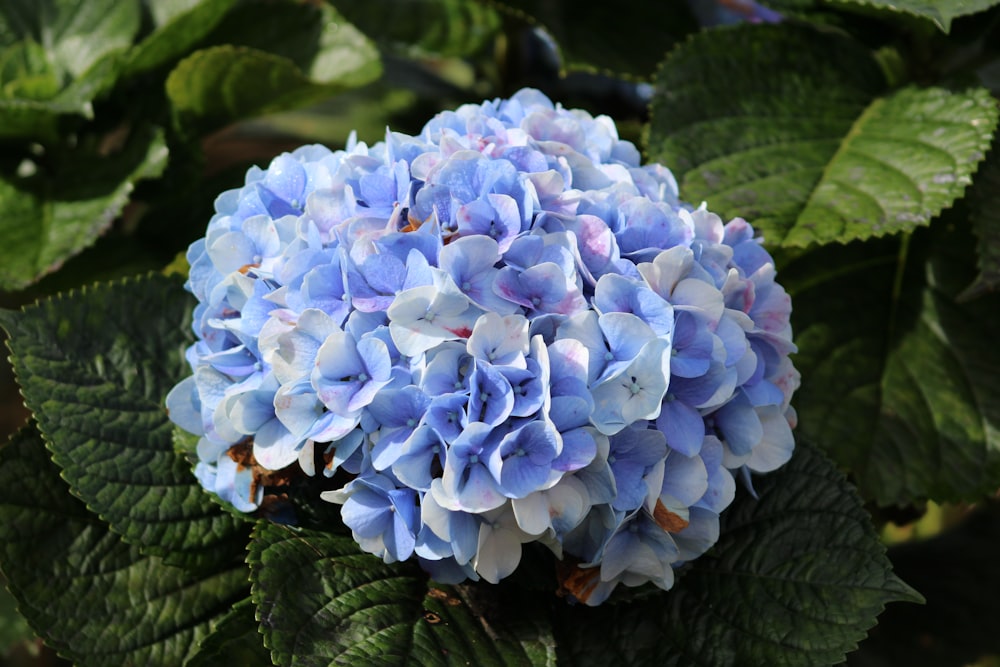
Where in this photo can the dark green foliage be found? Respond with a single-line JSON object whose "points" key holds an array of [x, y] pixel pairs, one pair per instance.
{"points": [[900, 378], [852, 135], [797, 578], [94, 373], [628, 38], [321, 601], [96, 599]]}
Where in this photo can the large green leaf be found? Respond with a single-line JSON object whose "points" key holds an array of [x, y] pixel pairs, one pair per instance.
{"points": [[94, 598], [941, 12], [318, 54], [179, 26], [797, 578], [785, 126], [446, 27], [59, 211], [627, 38], [900, 380], [75, 33], [234, 641], [321, 601], [94, 367], [13, 627], [81, 45]]}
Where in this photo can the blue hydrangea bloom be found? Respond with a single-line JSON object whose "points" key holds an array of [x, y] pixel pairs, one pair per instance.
{"points": [[503, 330]]}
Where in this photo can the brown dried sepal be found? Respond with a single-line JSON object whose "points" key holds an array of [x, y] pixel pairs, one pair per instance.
{"points": [[439, 594], [242, 454], [577, 581], [667, 520]]}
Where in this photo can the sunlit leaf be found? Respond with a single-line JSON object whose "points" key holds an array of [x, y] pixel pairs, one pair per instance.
{"points": [[941, 12], [791, 129], [56, 212]]}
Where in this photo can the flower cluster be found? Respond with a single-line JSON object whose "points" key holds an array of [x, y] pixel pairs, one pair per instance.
{"points": [[506, 331]]}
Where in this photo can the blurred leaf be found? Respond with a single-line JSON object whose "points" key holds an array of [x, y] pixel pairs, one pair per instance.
{"points": [[221, 84], [446, 27], [94, 367], [627, 38], [957, 626], [796, 578], [900, 381], [54, 214], [75, 34], [234, 641], [984, 201], [26, 73], [941, 12], [13, 627], [95, 599], [782, 125], [321, 600], [179, 26]]}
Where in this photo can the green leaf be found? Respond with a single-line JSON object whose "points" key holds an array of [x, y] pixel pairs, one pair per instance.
{"points": [[74, 34], [234, 641], [58, 212], [984, 201], [75, 53], [796, 578], [13, 627], [957, 626], [941, 12], [94, 367], [321, 601], [95, 599], [900, 380], [179, 26], [29, 109], [221, 84], [446, 27], [784, 126], [628, 38]]}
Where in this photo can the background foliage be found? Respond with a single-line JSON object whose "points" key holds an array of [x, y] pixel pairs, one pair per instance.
{"points": [[856, 135]]}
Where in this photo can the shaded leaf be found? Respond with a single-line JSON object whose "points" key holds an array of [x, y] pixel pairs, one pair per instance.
{"points": [[221, 84], [900, 381], [55, 213], [941, 12], [94, 367], [321, 601], [95, 599], [984, 202], [234, 641], [445, 27], [13, 627], [957, 626], [783, 125], [624, 38], [796, 578]]}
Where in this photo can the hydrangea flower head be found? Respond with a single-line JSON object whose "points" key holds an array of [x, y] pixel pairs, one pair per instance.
{"points": [[503, 330]]}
